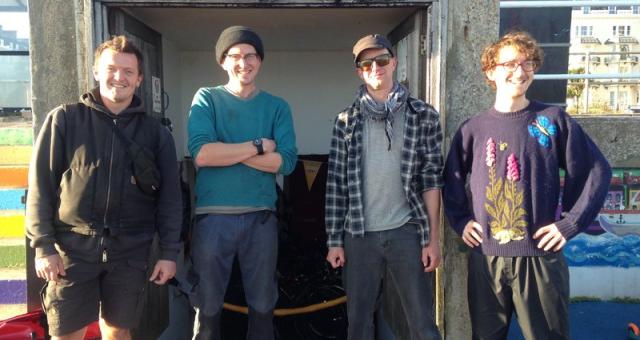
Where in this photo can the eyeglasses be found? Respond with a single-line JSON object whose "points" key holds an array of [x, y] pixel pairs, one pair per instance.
{"points": [[381, 60], [512, 66], [248, 58]]}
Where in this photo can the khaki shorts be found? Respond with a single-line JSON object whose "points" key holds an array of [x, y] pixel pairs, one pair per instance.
{"points": [[113, 291]]}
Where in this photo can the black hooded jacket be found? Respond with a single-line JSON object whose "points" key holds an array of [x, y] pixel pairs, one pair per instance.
{"points": [[81, 183]]}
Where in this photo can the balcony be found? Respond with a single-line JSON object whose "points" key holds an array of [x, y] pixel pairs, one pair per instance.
{"points": [[589, 40], [627, 40]]}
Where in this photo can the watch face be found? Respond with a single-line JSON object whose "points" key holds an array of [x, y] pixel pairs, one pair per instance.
{"points": [[257, 141]]}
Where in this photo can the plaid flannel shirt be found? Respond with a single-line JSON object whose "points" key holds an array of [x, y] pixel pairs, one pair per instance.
{"points": [[421, 169]]}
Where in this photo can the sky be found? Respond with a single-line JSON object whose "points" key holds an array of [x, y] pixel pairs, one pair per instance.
{"points": [[15, 21]]}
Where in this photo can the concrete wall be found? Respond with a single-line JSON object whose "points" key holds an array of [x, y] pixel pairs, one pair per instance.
{"points": [[471, 26], [55, 54], [617, 137], [58, 50]]}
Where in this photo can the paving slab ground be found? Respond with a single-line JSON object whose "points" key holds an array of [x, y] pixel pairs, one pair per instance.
{"points": [[10, 310], [595, 321], [589, 320], [12, 241]]}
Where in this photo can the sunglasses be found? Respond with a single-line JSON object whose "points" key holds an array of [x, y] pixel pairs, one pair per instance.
{"points": [[381, 60]]}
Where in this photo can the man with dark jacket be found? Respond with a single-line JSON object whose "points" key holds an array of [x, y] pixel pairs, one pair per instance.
{"points": [[88, 218]]}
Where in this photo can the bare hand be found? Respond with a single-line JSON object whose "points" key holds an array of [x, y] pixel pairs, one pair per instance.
{"points": [[335, 256], [551, 238], [163, 272], [431, 256], [268, 145], [472, 234], [50, 267]]}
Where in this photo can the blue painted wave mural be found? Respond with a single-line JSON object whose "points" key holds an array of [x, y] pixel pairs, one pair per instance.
{"points": [[603, 250]]}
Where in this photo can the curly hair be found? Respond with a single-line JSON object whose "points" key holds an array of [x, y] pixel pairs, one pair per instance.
{"points": [[120, 44], [522, 41]]}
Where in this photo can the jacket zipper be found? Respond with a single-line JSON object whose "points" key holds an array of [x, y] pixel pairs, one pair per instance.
{"points": [[106, 209], [104, 249]]}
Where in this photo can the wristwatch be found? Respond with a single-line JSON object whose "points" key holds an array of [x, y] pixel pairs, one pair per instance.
{"points": [[258, 144]]}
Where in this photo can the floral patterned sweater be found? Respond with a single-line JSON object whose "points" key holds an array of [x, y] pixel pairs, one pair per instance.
{"points": [[513, 161]]}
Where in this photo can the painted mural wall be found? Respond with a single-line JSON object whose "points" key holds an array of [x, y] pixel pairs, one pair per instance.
{"points": [[16, 139], [604, 260]]}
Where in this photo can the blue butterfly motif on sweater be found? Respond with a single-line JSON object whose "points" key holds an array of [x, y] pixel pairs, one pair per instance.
{"points": [[542, 129]]}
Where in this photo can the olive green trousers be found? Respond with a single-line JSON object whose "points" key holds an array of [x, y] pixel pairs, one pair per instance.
{"points": [[534, 288]]}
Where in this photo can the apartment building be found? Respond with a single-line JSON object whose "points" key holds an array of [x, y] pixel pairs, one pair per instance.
{"points": [[605, 40]]}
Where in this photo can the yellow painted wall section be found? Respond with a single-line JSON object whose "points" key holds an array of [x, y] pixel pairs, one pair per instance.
{"points": [[12, 226], [15, 155]]}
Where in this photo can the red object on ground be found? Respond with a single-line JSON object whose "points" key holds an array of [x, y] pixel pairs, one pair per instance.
{"points": [[634, 332], [29, 326]]}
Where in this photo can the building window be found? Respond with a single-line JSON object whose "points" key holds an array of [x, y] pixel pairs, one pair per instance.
{"points": [[635, 9], [624, 48], [621, 31], [584, 31], [586, 10], [15, 77], [612, 10], [622, 101], [612, 99]]}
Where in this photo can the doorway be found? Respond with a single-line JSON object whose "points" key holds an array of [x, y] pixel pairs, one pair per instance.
{"points": [[308, 61]]}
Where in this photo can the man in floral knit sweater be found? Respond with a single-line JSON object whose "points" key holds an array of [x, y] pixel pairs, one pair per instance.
{"points": [[513, 154]]}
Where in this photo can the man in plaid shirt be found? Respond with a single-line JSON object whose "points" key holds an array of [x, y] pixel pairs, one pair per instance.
{"points": [[383, 195]]}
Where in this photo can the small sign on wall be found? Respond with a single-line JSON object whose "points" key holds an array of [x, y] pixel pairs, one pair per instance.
{"points": [[156, 91], [403, 60]]}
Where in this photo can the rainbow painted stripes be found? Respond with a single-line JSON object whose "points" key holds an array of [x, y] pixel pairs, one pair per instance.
{"points": [[15, 153]]}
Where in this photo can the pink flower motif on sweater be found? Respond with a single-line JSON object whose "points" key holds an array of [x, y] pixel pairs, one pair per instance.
{"points": [[491, 152], [504, 200], [513, 169]]}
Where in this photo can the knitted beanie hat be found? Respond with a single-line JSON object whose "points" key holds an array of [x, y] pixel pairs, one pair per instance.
{"points": [[238, 35]]}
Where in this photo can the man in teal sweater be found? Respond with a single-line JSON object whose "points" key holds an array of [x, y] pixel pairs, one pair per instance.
{"points": [[239, 137]]}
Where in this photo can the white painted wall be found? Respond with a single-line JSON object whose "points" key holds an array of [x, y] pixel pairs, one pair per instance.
{"points": [[316, 84], [605, 282], [172, 72]]}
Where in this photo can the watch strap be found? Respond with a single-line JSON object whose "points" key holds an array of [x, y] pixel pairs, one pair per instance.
{"points": [[258, 144]]}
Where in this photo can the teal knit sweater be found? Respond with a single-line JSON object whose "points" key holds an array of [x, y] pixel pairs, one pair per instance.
{"points": [[218, 116]]}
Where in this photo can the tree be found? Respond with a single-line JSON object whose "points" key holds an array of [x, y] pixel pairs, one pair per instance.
{"points": [[575, 87]]}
